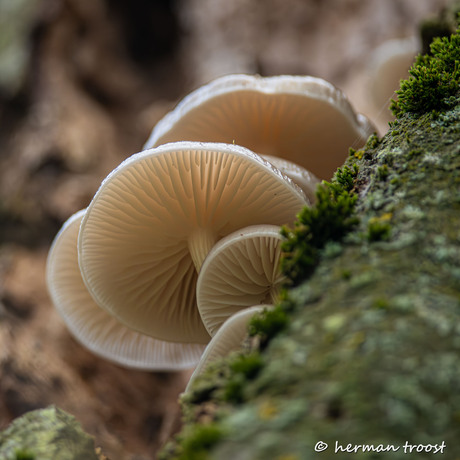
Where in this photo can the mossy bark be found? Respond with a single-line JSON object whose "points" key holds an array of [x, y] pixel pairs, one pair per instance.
{"points": [[371, 352], [46, 434]]}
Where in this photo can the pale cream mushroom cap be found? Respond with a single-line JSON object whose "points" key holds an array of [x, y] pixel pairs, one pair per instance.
{"points": [[302, 119], [241, 270], [389, 65], [92, 326], [299, 175], [154, 220], [229, 338]]}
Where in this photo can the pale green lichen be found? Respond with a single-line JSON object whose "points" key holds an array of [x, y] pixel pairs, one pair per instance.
{"points": [[46, 434]]}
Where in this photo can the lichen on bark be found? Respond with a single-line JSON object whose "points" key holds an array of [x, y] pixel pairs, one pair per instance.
{"points": [[46, 434], [369, 353]]}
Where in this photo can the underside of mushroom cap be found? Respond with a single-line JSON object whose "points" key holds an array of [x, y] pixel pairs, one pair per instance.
{"points": [[299, 175], [160, 207], [229, 338], [241, 270], [92, 326], [303, 119]]}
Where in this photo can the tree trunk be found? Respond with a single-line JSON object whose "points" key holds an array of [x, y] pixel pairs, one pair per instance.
{"points": [[369, 361]]}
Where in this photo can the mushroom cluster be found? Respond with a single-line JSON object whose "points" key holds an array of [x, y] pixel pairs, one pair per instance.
{"points": [[181, 244]]}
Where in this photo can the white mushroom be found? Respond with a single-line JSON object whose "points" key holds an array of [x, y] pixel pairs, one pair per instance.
{"points": [[155, 218], [229, 338], [241, 270], [94, 327], [302, 119], [389, 65], [300, 176]]}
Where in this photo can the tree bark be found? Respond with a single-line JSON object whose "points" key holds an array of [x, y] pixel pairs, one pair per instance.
{"points": [[47, 434], [369, 360]]}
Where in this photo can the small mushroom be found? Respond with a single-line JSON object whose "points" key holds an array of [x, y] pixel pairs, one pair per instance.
{"points": [[301, 119], [389, 65], [241, 270], [229, 338], [155, 218], [300, 176], [92, 326]]}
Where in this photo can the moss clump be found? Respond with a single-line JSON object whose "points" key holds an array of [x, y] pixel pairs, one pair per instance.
{"points": [[434, 81], [330, 219], [268, 323], [196, 443], [382, 172], [379, 228], [243, 368], [373, 142], [22, 454]]}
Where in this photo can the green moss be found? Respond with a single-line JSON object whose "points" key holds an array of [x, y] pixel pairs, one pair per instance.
{"points": [[22, 454], [372, 142], [243, 368], [247, 365], [382, 172], [381, 303], [268, 324], [378, 228], [195, 443], [434, 79], [330, 219], [358, 154]]}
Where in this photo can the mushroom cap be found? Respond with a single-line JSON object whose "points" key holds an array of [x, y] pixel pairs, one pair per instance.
{"points": [[136, 239], [302, 119], [389, 65], [241, 270], [229, 338], [92, 326], [299, 175]]}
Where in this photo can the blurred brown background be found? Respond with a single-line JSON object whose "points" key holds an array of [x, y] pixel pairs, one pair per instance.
{"points": [[82, 82]]}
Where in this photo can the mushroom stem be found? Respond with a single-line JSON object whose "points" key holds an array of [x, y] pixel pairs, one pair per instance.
{"points": [[274, 295], [200, 242]]}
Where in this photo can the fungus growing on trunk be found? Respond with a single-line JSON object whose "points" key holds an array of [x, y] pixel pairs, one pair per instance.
{"points": [[92, 326], [302, 119], [241, 270], [228, 338], [299, 175], [155, 218]]}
